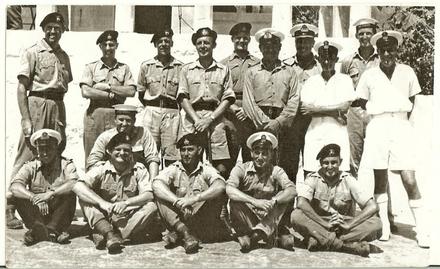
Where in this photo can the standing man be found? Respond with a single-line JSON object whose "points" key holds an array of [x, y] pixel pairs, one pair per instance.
{"points": [[143, 146], [105, 82], [365, 57], [387, 92], [239, 127], [259, 194], [189, 195], [205, 93], [305, 66], [158, 82], [116, 197], [42, 190], [43, 76], [270, 93]]}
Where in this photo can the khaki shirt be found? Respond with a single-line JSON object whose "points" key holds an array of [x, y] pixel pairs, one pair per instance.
{"points": [[210, 85], [238, 67], [183, 184], [355, 61], [98, 71], [113, 187], [341, 197], [31, 175], [48, 69], [244, 177], [303, 74], [159, 80], [276, 88]]}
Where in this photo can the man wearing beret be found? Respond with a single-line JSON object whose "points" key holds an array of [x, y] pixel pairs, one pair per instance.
{"points": [[158, 82], [42, 190], [143, 145], [43, 77], [326, 98], [239, 127], [116, 197], [305, 66], [325, 215], [354, 65], [205, 93], [270, 92], [105, 82], [189, 196], [259, 194], [387, 92]]}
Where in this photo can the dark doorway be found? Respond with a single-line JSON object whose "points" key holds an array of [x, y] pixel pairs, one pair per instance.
{"points": [[148, 19]]}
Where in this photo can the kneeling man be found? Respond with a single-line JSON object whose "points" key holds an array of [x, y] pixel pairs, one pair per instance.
{"points": [[326, 209], [116, 197], [259, 193]]}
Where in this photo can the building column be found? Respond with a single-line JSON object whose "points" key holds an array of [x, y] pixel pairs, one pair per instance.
{"points": [[124, 18], [202, 17], [41, 12], [182, 19], [282, 18], [358, 12]]}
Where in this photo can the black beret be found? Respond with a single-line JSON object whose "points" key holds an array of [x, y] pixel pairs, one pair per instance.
{"points": [[242, 27], [190, 139], [206, 31], [166, 32], [106, 36], [330, 150], [118, 139], [53, 17]]}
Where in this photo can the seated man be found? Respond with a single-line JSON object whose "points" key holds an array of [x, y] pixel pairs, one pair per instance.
{"points": [[143, 145], [116, 197], [259, 194], [189, 196], [42, 191], [326, 209]]}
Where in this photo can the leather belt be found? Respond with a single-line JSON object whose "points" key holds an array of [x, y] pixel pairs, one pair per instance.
{"points": [[46, 95], [204, 106], [271, 111], [161, 102]]}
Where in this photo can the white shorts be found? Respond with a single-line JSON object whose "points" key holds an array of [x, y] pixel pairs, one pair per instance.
{"points": [[389, 143]]}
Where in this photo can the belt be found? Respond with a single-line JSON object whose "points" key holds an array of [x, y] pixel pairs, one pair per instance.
{"points": [[47, 95], [389, 115], [204, 106], [271, 111], [161, 102]]}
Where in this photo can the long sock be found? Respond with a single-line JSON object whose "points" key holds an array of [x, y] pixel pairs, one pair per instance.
{"points": [[382, 202], [421, 224]]}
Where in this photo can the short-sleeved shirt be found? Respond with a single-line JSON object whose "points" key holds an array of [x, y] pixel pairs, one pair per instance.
{"points": [[105, 181], [388, 95], [159, 80], [210, 85], [312, 69], [340, 197], [143, 146], [48, 69], [31, 175], [98, 71], [238, 67], [244, 177], [277, 88], [183, 184], [356, 62]]}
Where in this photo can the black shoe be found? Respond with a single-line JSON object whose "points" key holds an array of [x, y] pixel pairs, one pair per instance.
{"points": [[190, 243], [171, 240], [245, 243], [286, 241], [99, 240], [256, 236], [11, 221], [357, 248], [114, 242], [29, 239]]}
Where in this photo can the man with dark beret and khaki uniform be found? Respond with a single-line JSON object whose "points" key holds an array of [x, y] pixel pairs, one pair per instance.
{"points": [[259, 194], [305, 66], [157, 87], [205, 93], [238, 126], [42, 190], [105, 82], [43, 77], [270, 92]]}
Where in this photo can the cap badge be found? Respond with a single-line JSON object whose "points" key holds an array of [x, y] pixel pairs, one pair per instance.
{"points": [[304, 29], [268, 35]]}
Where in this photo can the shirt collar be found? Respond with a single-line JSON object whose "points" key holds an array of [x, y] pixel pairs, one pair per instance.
{"points": [[179, 165], [171, 63], [250, 169], [372, 56], [103, 65], [43, 46], [342, 175], [109, 167], [281, 66], [196, 64]]}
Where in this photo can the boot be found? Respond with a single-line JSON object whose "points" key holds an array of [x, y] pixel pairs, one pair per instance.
{"points": [[286, 241], [382, 202], [422, 236], [190, 243], [11, 221], [312, 244], [357, 248], [171, 240], [101, 229], [36, 234], [114, 242]]}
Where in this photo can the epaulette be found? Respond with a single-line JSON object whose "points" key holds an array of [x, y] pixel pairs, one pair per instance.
{"points": [[149, 61], [178, 62]]}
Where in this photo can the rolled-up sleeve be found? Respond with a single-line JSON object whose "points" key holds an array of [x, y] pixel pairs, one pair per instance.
{"points": [[128, 78], [143, 180], [150, 148], [183, 90], [308, 188], [228, 93], [166, 175], [289, 111], [282, 179], [237, 174], [356, 191], [24, 175], [27, 65], [211, 174], [250, 107], [93, 177], [87, 76]]}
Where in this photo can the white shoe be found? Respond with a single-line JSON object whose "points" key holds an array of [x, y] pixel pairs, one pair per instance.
{"points": [[423, 240]]}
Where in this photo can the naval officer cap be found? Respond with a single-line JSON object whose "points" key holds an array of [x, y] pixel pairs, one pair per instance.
{"points": [[330, 150], [330, 46], [268, 34], [302, 30], [54, 17], [241, 27], [262, 139], [166, 32], [366, 23], [43, 136], [387, 38], [206, 31], [109, 35]]}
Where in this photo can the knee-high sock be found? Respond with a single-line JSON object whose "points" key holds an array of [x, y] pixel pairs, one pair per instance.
{"points": [[382, 202]]}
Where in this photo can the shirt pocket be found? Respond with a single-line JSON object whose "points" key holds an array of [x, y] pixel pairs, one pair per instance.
{"points": [[342, 199], [216, 89], [46, 66], [172, 86], [118, 77], [99, 77], [153, 86], [38, 189], [131, 190]]}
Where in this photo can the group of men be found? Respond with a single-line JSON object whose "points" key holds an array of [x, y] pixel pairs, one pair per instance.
{"points": [[274, 112]]}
